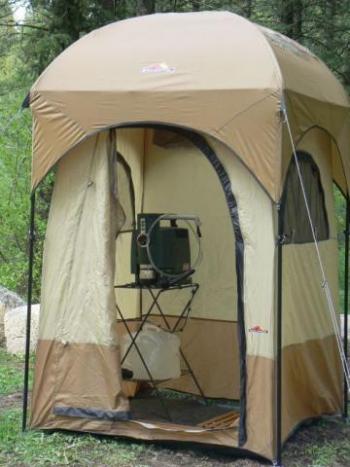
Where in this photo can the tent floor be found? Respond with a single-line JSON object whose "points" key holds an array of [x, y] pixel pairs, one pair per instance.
{"points": [[181, 410]]}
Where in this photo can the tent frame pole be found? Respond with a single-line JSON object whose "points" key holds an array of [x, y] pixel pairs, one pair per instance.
{"points": [[346, 298], [278, 409], [31, 241]]}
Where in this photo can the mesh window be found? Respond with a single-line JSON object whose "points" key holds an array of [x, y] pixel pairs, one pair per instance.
{"points": [[296, 226]]}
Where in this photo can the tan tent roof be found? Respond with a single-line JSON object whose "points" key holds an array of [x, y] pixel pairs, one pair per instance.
{"points": [[303, 72], [214, 72]]}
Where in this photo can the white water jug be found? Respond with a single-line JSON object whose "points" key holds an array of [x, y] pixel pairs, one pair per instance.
{"points": [[159, 349]]}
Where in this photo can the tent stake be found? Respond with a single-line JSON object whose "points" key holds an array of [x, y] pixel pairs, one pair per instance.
{"points": [[278, 422], [346, 299], [29, 309]]}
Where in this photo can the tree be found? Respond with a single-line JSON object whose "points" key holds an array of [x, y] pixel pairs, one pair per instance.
{"points": [[145, 7], [291, 14], [52, 25]]}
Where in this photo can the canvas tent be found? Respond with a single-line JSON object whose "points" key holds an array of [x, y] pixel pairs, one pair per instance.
{"points": [[188, 110]]}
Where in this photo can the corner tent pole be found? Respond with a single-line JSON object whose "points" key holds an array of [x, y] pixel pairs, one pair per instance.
{"points": [[346, 298], [278, 410], [29, 308]]}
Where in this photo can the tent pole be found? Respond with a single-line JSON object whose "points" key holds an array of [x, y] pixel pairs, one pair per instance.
{"points": [[278, 421], [29, 308], [346, 299]]}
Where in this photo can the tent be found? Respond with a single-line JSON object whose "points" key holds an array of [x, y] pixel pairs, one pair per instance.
{"points": [[190, 113]]}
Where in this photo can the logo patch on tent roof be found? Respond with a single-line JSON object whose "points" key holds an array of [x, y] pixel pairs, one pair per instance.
{"points": [[258, 330], [158, 68]]}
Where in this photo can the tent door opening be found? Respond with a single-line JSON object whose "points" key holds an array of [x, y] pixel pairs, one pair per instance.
{"points": [[162, 171]]}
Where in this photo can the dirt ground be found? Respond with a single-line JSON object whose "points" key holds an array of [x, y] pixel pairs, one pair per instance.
{"points": [[10, 401]]}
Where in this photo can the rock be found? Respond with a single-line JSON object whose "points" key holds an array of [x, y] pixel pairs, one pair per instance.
{"points": [[15, 329], [8, 300]]}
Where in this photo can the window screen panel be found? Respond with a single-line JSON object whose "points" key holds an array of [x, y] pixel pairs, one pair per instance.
{"points": [[296, 226]]}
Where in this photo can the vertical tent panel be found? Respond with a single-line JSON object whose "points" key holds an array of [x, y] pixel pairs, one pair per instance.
{"points": [[130, 148], [78, 368], [311, 365], [255, 211]]}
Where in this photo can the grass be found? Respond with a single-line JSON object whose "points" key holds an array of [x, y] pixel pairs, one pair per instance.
{"points": [[40, 449], [11, 372], [325, 443], [329, 454]]}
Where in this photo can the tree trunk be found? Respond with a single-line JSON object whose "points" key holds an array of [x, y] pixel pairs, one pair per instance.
{"points": [[196, 5], [331, 7], [298, 19], [287, 17], [248, 8], [145, 7]]}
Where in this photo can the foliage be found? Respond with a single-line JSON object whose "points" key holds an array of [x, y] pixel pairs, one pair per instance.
{"points": [[15, 144], [28, 46], [340, 210], [52, 25]]}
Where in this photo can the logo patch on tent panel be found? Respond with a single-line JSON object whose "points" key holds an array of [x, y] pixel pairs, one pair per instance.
{"points": [[258, 330], [158, 68]]}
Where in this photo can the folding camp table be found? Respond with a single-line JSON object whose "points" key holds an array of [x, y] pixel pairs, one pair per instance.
{"points": [[155, 292]]}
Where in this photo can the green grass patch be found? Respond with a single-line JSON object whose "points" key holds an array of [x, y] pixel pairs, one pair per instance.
{"points": [[41, 449], [330, 453], [11, 372]]}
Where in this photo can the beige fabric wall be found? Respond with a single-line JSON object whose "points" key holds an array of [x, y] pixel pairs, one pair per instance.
{"points": [[255, 211], [77, 319], [256, 217], [311, 371], [304, 304], [305, 307], [131, 144], [77, 303], [179, 179], [312, 381]]}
